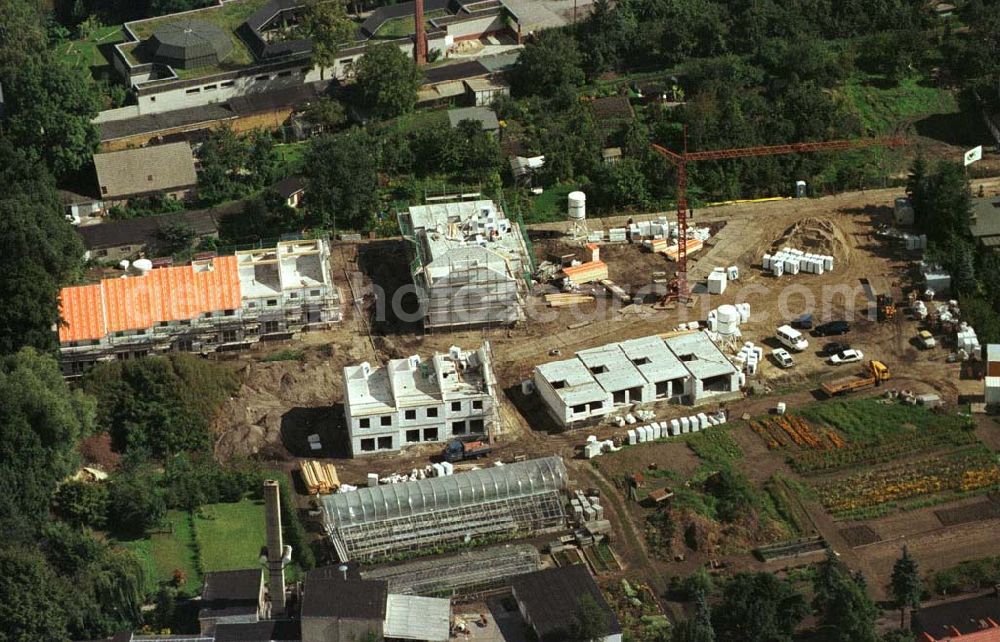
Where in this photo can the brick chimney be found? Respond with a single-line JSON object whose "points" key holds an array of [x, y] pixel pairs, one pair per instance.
{"points": [[275, 549], [419, 35]]}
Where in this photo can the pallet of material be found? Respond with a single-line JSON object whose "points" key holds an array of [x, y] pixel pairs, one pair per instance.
{"points": [[616, 291], [692, 245], [320, 477], [587, 272], [657, 245], [562, 300]]}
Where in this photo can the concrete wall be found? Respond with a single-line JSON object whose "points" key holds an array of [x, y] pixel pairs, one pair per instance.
{"points": [[400, 425], [471, 29], [563, 414], [220, 90]]}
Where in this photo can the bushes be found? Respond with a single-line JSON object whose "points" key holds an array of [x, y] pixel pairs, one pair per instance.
{"points": [[159, 406], [81, 504], [967, 576], [136, 504], [294, 532]]}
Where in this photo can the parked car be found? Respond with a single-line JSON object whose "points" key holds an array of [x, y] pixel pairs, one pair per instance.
{"points": [[804, 322], [834, 347], [791, 338], [832, 328], [847, 356], [926, 340], [782, 358]]}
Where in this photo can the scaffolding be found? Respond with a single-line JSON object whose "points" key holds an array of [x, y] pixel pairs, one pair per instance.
{"points": [[460, 573], [490, 503]]}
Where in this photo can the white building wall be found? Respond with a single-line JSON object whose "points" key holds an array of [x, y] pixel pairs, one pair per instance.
{"points": [[220, 90], [401, 426]]}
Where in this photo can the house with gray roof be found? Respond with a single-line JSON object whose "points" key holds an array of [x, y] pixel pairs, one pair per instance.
{"points": [[167, 170], [984, 224]]}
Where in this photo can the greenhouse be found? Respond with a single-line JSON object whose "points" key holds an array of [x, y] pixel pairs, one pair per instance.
{"points": [[488, 504]]}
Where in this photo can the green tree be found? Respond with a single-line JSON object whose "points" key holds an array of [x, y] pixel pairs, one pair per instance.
{"points": [[136, 504], [548, 65], [32, 598], [329, 27], [175, 237], [591, 621], [40, 251], [386, 81], [699, 628], [41, 422], [846, 613], [759, 607], [48, 111], [905, 584], [342, 180], [326, 112], [160, 406], [82, 504]]}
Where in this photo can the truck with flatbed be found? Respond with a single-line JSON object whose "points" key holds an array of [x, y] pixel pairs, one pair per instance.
{"points": [[458, 450], [874, 374]]}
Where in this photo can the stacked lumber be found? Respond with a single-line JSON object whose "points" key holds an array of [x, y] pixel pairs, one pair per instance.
{"points": [[657, 245], [616, 291], [319, 477], [692, 245], [587, 272], [566, 299]]}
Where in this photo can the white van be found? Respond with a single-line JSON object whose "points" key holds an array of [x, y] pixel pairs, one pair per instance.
{"points": [[792, 338]]}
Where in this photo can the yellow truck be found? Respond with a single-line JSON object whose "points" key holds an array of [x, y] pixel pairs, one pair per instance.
{"points": [[874, 374]]}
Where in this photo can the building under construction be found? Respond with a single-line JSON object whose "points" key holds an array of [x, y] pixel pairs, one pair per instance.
{"points": [[470, 264], [518, 499], [213, 304]]}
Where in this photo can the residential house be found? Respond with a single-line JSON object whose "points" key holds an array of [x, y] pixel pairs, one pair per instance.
{"points": [[161, 170], [970, 619]]}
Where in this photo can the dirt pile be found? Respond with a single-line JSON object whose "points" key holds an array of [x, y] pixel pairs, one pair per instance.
{"points": [[275, 398], [815, 235]]}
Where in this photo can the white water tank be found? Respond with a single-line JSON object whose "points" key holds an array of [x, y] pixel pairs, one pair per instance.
{"points": [[577, 206], [123, 264], [142, 266], [728, 319]]}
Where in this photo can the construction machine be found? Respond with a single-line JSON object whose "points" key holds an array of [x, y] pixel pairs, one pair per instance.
{"points": [[874, 374]]}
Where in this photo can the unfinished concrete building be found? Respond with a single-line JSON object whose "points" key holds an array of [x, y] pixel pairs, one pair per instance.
{"points": [[684, 368], [411, 401], [213, 304], [470, 264], [518, 499]]}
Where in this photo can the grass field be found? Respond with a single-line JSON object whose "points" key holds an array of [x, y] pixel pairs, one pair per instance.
{"points": [[882, 109], [85, 53], [230, 536], [290, 157], [163, 553], [550, 205]]}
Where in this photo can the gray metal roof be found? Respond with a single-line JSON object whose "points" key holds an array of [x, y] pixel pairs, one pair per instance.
{"points": [[391, 501], [190, 43], [985, 217], [410, 617]]}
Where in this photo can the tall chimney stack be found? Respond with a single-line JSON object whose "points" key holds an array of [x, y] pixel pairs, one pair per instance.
{"points": [[419, 35], [275, 550]]}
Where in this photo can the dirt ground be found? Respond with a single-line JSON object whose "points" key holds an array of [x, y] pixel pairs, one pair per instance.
{"points": [[282, 402]]}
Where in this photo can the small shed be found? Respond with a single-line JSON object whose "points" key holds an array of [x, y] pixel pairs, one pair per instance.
{"points": [[487, 118]]}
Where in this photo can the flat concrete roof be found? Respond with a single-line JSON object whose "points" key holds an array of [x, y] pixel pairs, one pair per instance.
{"points": [[580, 386], [653, 359], [410, 617], [700, 355], [611, 368]]}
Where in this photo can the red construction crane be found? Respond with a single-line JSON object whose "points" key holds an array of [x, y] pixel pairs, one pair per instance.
{"points": [[679, 288]]}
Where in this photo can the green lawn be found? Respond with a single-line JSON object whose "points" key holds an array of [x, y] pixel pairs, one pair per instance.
{"points": [[162, 553], [289, 157], [872, 421], [550, 205], [404, 25], [85, 53], [230, 536], [883, 109]]}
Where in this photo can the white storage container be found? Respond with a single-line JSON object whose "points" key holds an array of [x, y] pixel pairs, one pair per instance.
{"points": [[633, 439]]}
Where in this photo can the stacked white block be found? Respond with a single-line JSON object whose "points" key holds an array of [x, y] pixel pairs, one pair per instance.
{"points": [[792, 261]]}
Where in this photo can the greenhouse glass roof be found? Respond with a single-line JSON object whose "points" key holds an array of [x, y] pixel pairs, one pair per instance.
{"points": [[390, 501]]}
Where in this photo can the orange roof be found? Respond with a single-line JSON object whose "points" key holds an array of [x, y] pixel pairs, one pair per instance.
{"points": [[164, 294], [82, 313]]}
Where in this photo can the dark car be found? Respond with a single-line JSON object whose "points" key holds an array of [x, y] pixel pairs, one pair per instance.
{"points": [[834, 347], [832, 328], [804, 322]]}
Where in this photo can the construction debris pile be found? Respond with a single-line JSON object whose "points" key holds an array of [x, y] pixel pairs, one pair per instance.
{"points": [[907, 240], [967, 342], [442, 469], [792, 261]]}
